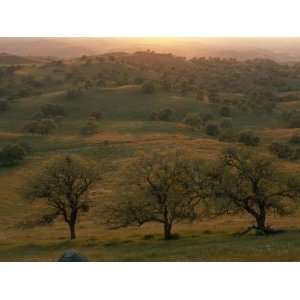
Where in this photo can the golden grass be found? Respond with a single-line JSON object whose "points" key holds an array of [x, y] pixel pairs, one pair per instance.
{"points": [[6, 135], [275, 134]]}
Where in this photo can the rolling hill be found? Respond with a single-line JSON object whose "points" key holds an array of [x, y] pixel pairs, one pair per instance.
{"points": [[113, 85]]}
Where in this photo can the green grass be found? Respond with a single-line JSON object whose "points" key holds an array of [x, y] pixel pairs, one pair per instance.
{"points": [[125, 130], [200, 247]]}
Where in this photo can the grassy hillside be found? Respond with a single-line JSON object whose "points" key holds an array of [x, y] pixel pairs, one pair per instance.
{"points": [[125, 130]]}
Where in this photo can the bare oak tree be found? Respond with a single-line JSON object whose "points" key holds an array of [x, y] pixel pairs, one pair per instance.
{"points": [[156, 190], [249, 182], [63, 185]]}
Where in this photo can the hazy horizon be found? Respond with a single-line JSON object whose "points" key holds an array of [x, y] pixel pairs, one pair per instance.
{"points": [[282, 49]]}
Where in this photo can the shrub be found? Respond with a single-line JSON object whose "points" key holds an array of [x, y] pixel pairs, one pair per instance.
{"points": [[163, 115], [73, 93], [26, 147], [154, 116], [281, 150], [148, 88], [52, 110], [228, 136], [97, 115], [90, 127], [139, 80], [295, 139], [225, 111], [206, 117], [3, 105], [11, 155], [42, 127], [193, 120], [38, 116], [212, 129], [248, 138], [293, 119]]}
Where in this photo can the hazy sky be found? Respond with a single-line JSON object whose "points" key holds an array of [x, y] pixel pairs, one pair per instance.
{"points": [[150, 18]]}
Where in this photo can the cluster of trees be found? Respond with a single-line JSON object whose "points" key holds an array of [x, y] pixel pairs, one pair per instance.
{"points": [[208, 121], [257, 80], [247, 137], [51, 110], [168, 188], [197, 120], [221, 128], [45, 121], [40, 127], [174, 189], [289, 150]]}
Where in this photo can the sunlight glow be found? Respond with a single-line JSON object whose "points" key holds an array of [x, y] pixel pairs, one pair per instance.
{"points": [[150, 18]]}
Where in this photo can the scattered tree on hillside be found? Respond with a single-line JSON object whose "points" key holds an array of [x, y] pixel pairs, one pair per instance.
{"points": [[156, 189], [249, 138], [285, 151], [249, 182], [194, 120], [11, 155], [97, 115], [40, 127], [63, 184], [225, 111], [261, 99], [73, 93], [90, 127], [184, 88], [206, 117], [148, 87], [228, 136], [212, 129], [295, 139], [166, 115], [139, 80], [50, 110]]}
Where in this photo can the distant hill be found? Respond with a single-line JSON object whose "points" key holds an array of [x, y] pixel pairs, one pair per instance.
{"points": [[10, 59], [278, 49]]}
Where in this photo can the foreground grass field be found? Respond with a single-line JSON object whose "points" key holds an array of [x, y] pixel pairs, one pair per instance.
{"points": [[131, 245], [126, 130]]}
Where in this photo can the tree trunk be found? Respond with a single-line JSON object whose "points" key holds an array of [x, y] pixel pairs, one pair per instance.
{"points": [[261, 223], [167, 231], [72, 231]]}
